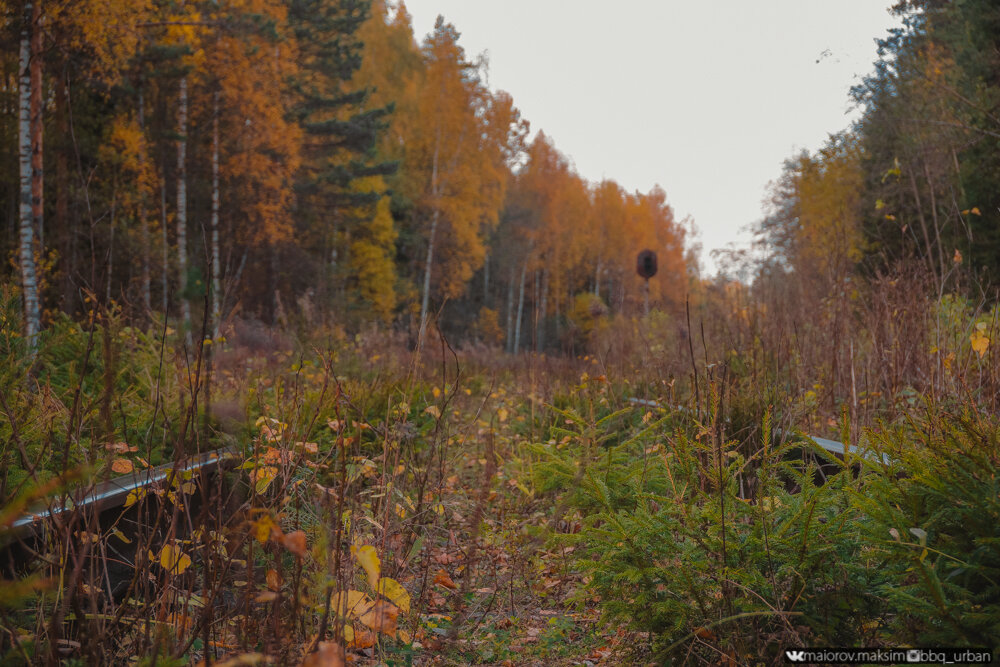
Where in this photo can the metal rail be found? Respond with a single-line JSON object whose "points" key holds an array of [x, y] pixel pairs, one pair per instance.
{"points": [[114, 492], [832, 446]]}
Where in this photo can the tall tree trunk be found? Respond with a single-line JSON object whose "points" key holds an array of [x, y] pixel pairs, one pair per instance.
{"points": [[147, 299], [520, 308], [486, 281], [509, 339], [62, 227], [425, 300], [216, 261], [597, 279], [111, 242], [929, 256], [30, 162], [540, 334], [165, 273], [182, 129], [937, 223]]}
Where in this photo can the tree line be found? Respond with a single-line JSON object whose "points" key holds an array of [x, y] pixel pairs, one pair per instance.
{"points": [[917, 179], [298, 161]]}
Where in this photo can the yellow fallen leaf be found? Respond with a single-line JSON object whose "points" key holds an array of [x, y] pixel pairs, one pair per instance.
{"points": [[351, 603], [394, 591], [367, 557], [433, 411], [173, 559]]}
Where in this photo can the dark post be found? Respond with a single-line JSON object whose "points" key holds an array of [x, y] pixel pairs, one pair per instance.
{"points": [[645, 266]]}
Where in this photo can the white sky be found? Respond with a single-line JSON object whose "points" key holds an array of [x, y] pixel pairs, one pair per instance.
{"points": [[706, 99]]}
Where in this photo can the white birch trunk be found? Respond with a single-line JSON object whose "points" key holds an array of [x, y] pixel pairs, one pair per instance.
{"points": [[509, 340], [425, 300], [520, 309], [26, 161]]}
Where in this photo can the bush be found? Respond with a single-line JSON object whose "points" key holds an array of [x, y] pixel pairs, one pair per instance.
{"points": [[676, 545]]}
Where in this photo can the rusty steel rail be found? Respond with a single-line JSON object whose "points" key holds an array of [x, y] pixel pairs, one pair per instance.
{"points": [[114, 492]]}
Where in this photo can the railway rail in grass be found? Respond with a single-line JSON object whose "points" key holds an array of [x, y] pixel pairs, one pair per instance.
{"points": [[838, 449], [113, 493]]}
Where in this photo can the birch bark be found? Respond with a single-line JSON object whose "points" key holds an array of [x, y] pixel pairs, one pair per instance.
{"points": [[30, 163]]}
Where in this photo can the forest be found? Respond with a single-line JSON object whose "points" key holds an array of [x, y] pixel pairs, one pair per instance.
{"points": [[316, 352]]}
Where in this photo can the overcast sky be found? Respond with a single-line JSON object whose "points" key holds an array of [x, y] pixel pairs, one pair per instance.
{"points": [[706, 99]]}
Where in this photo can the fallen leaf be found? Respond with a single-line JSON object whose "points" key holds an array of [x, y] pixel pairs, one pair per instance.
{"points": [[122, 466], [394, 591], [442, 578], [368, 559], [362, 640], [266, 596], [239, 660], [328, 654], [273, 579], [352, 603], [382, 618]]}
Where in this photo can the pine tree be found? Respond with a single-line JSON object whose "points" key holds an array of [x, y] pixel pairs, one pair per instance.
{"points": [[340, 130]]}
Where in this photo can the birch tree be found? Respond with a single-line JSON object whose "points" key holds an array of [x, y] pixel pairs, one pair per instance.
{"points": [[459, 165], [30, 161]]}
